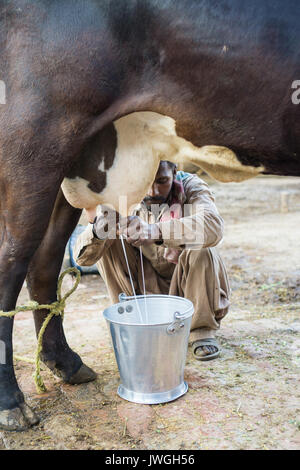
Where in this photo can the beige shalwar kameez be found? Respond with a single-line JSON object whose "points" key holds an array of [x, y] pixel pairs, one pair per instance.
{"points": [[199, 275]]}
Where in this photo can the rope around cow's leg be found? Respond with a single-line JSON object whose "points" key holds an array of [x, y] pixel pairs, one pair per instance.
{"points": [[56, 308]]}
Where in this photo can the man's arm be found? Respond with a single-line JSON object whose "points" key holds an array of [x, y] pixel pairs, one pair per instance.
{"points": [[202, 227], [88, 249]]}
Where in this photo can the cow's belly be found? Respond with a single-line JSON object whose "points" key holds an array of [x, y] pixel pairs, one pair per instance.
{"points": [[143, 139]]}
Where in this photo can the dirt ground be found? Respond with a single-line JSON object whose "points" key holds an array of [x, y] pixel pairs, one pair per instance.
{"points": [[246, 399]]}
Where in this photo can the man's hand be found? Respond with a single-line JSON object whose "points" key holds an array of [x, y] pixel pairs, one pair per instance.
{"points": [[137, 232]]}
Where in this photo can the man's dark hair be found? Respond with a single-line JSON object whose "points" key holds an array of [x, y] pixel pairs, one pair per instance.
{"points": [[170, 164]]}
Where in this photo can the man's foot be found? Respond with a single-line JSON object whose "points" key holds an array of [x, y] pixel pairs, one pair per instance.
{"points": [[206, 349], [69, 367]]}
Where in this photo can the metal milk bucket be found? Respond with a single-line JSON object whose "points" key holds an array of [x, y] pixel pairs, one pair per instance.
{"points": [[150, 339]]}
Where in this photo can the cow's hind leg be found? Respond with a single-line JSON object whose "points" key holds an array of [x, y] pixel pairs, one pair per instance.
{"points": [[24, 217], [42, 283]]}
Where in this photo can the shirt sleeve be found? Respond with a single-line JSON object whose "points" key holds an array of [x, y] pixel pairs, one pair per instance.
{"points": [[88, 249], [200, 226]]}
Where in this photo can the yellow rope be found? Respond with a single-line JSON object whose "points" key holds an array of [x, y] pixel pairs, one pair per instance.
{"points": [[56, 308], [24, 359]]}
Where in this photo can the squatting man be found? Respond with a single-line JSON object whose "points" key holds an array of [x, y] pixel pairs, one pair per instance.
{"points": [[177, 225]]}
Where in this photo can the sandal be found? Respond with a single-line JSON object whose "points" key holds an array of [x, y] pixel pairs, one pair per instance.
{"points": [[200, 343]]}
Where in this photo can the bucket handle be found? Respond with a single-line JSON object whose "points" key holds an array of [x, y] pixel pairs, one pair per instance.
{"points": [[177, 324], [123, 297], [180, 316], [177, 315]]}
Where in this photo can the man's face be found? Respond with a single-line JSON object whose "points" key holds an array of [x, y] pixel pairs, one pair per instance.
{"points": [[160, 189]]}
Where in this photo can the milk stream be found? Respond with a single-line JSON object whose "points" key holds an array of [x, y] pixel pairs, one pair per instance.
{"points": [[132, 285], [144, 286]]}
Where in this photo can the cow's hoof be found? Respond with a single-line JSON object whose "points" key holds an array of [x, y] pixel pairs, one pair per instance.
{"points": [[18, 419], [83, 375]]}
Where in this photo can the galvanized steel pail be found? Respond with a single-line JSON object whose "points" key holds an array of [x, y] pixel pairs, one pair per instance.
{"points": [[150, 351]]}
